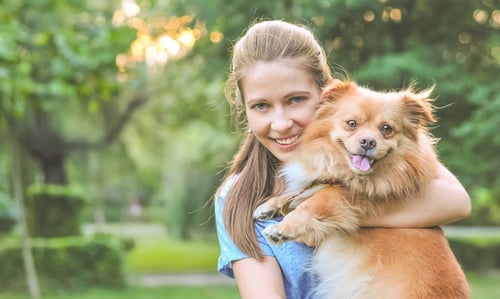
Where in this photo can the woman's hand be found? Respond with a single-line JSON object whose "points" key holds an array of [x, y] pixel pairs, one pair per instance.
{"points": [[444, 201], [257, 279]]}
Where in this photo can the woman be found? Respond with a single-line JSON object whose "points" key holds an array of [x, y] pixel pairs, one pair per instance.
{"points": [[278, 71]]}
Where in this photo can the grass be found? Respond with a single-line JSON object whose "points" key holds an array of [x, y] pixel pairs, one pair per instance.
{"points": [[161, 255], [174, 292], [155, 252], [484, 286]]}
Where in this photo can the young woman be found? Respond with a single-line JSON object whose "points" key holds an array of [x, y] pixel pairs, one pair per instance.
{"points": [[278, 71]]}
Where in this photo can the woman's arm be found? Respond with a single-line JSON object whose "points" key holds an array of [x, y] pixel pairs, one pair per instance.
{"points": [[443, 202], [258, 279]]}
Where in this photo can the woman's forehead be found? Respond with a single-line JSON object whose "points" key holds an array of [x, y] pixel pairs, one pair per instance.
{"points": [[277, 78]]}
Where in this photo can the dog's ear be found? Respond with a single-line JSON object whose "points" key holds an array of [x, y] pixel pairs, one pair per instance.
{"points": [[419, 106], [335, 89], [330, 94]]}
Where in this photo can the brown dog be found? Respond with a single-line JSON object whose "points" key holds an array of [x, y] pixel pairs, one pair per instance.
{"points": [[364, 154]]}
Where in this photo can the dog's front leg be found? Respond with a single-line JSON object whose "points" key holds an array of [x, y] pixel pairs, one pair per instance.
{"points": [[326, 211], [270, 208], [281, 204]]}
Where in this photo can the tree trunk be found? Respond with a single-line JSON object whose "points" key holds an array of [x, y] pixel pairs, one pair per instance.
{"points": [[29, 263], [48, 148], [50, 214], [53, 169]]}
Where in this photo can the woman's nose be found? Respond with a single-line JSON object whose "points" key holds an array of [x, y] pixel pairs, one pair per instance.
{"points": [[281, 123]]}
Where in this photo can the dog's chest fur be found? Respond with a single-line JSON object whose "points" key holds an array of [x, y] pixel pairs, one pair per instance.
{"points": [[338, 263]]}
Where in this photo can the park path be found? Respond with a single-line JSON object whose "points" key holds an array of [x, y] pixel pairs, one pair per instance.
{"points": [[184, 279]]}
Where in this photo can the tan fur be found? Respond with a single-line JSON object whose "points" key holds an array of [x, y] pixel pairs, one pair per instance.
{"points": [[354, 262]]}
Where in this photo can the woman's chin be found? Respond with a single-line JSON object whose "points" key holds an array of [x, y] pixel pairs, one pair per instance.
{"points": [[285, 153]]}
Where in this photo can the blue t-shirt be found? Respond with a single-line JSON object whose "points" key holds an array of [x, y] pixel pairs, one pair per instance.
{"points": [[293, 257]]}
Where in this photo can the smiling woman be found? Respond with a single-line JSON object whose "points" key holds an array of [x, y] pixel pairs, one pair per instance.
{"points": [[280, 100]]}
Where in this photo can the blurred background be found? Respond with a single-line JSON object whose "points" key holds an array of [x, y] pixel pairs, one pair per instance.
{"points": [[114, 130]]}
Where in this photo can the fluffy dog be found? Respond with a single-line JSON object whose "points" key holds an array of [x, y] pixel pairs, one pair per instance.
{"points": [[365, 153]]}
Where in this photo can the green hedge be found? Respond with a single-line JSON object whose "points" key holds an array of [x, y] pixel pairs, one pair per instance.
{"points": [[65, 263], [477, 254], [54, 210]]}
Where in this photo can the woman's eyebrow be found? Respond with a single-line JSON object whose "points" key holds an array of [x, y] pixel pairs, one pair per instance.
{"points": [[297, 92], [255, 100]]}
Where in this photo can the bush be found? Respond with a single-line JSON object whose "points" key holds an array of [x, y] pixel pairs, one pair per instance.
{"points": [[8, 213], [476, 254], [64, 263], [485, 208], [54, 210]]}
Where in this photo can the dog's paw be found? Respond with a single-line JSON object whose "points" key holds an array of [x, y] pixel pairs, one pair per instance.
{"points": [[276, 234], [265, 211]]}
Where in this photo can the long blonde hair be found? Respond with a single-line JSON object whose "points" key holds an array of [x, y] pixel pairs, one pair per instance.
{"points": [[255, 166]]}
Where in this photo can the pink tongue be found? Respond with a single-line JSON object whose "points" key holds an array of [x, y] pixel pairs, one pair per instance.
{"points": [[361, 162]]}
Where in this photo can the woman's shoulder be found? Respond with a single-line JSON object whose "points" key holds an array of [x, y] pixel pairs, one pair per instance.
{"points": [[224, 188]]}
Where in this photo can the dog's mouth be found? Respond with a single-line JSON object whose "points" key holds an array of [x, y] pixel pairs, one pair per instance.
{"points": [[362, 162]]}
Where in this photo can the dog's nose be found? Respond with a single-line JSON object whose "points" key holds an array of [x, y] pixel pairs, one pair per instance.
{"points": [[368, 143]]}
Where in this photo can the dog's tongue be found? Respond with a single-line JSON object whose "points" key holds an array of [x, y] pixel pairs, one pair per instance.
{"points": [[361, 162]]}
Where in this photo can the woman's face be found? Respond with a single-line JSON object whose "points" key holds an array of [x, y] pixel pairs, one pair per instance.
{"points": [[281, 98]]}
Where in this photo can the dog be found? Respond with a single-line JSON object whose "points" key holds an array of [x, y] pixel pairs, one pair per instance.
{"points": [[365, 153]]}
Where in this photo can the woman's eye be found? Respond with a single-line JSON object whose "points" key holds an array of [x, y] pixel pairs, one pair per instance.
{"points": [[260, 106], [351, 123], [296, 99], [386, 130]]}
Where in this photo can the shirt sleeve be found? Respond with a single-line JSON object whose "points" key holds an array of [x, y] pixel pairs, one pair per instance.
{"points": [[229, 252]]}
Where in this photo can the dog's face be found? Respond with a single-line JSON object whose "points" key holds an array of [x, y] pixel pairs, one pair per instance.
{"points": [[368, 127]]}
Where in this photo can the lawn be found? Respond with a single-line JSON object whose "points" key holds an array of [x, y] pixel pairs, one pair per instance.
{"points": [[154, 253], [161, 255], [171, 292], [484, 286]]}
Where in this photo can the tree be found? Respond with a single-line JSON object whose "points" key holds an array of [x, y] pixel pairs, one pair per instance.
{"points": [[54, 62], [60, 83]]}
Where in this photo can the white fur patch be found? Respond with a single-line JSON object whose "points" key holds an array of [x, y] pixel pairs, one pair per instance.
{"points": [[296, 177]]}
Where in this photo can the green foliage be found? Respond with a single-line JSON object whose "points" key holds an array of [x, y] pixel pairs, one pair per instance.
{"points": [[65, 54], [7, 205], [8, 213], [72, 191], [54, 210], [467, 251], [486, 211], [64, 263]]}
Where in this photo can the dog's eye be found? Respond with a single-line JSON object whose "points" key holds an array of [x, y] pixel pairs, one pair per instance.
{"points": [[386, 130], [351, 123]]}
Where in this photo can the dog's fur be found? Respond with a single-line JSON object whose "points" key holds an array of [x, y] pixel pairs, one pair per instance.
{"points": [[377, 145]]}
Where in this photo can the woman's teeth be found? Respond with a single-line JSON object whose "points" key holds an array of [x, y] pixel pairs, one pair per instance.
{"points": [[287, 141]]}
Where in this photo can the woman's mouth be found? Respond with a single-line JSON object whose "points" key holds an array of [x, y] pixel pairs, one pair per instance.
{"points": [[287, 141]]}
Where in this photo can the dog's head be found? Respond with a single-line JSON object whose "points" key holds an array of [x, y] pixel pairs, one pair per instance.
{"points": [[368, 127]]}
